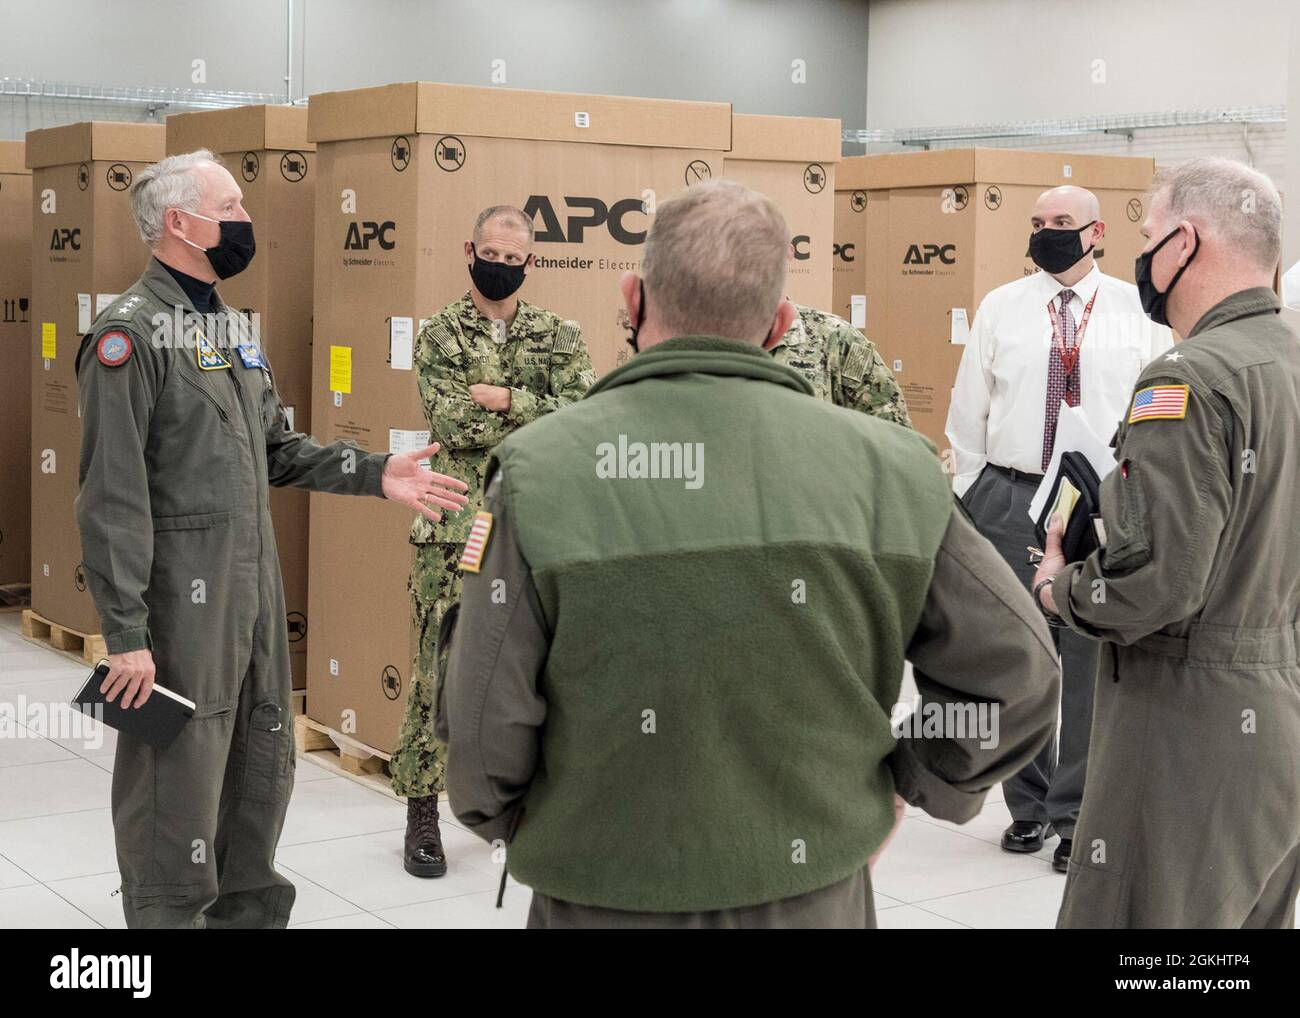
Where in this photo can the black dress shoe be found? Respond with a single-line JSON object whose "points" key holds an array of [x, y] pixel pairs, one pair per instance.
{"points": [[423, 855], [1024, 836], [1061, 857]]}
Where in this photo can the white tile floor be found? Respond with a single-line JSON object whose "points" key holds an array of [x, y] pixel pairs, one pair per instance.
{"points": [[342, 845]]}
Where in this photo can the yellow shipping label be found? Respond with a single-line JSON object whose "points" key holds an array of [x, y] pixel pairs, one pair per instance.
{"points": [[341, 369], [48, 333]]}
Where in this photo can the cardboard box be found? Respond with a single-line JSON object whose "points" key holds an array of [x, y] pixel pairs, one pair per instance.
{"points": [[85, 251], [15, 371], [792, 161], [402, 171], [930, 233], [267, 151]]}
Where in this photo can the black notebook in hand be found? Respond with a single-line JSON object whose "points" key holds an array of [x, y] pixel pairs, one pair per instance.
{"points": [[1076, 495], [158, 722]]}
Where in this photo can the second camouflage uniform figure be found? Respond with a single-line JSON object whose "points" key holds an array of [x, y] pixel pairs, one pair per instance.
{"points": [[529, 364]]}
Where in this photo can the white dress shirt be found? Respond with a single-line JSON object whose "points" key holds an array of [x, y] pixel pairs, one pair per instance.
{"points": [[999, 400]]}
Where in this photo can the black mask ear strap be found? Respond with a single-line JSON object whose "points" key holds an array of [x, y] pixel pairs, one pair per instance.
{"points": [[640, 317], [1177, 275]]}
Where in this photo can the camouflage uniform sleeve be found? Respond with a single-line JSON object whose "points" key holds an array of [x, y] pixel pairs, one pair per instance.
{"points": [[1164, 508], [571, 377], [862, 381], [114, 511], [298, 460], [455, 420]]}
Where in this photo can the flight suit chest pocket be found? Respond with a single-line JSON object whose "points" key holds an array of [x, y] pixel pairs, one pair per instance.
{"points": [[1128, 526], [266, 754]]}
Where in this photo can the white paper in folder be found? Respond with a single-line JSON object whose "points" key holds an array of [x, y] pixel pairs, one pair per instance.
{"points": [[1072, 435]]}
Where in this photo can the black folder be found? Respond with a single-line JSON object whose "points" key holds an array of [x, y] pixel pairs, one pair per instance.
{"points": [[157, 723], [1080, 538]]}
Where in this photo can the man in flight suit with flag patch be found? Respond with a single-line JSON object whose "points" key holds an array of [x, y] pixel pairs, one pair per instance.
{"points": [[182, 432], [1190, 815]]}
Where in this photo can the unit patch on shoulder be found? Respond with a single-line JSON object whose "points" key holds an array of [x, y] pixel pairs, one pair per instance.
{"points": [[1159, 402], [471, 561], [113, 348], [208, 356]]}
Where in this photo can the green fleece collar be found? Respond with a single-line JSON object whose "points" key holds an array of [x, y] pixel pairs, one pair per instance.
{"points": [[1257, 300], [706, 355]]}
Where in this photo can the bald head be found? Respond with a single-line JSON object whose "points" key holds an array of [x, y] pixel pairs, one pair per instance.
{"points": [[1066, 206]]}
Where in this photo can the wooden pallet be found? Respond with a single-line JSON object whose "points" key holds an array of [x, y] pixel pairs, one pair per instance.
{"points": [[87, 647], [343, 755], [14, 597]]}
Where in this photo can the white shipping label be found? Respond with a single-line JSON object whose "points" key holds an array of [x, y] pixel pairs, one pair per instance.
{"points": [[960, 334], [407, 441], [103, 300], [401, 343], [83, 312], [858, 310], [288, 417], [898, 365]]}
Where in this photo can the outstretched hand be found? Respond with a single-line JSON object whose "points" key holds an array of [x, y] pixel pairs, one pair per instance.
{"points": [[407, 482]]}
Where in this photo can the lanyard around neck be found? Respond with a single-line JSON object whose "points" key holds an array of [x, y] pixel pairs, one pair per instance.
{"points": [[1070, 356]]}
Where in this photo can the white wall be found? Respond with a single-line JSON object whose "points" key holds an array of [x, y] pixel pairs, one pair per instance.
{"points": [[724, 50], [937, 63]]}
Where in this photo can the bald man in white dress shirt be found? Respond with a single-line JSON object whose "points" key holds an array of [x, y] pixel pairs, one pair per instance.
{"points": [[1068, 333]]}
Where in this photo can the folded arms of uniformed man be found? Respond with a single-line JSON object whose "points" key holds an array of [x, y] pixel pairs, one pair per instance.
{"points": [[484, 414]]}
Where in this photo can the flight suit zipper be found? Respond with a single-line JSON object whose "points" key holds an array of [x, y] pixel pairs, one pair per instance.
{"points": [[208, 396], [252, 448]]}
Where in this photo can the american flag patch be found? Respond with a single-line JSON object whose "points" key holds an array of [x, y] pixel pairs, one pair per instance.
{"points": [[1159, 402], [471, 560]]}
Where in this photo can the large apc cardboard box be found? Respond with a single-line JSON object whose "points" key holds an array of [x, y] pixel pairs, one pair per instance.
{"points": [[944, 228], [267, 151], [402, 171], [85, 251], [15, 368], [792, 161]]}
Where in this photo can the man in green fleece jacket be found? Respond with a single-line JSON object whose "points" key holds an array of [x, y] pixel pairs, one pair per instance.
{"points": [[686, 608]]}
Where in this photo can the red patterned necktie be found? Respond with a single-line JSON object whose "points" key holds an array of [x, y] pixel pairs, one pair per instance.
{"points": [[1061, 384]]}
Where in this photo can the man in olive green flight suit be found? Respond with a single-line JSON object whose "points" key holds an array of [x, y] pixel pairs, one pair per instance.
{"points": [[1190, 815], [842, 365], [675, 707], [182, 431], [486, 365]]}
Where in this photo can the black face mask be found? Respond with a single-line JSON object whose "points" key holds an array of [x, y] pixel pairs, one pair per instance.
{"points": [[640, 317], [495, 280], [1055, 251], [1153, 301], [234, 250]]}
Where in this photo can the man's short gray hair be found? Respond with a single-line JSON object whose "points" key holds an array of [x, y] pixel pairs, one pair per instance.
{"points": [[715, 261], [170, 184], [507, 212], [1237, 205]]}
